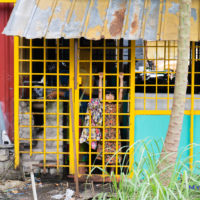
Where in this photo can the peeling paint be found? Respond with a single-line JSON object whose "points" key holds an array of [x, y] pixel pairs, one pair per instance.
{"points": [[80, 11], [152, 16], [95, 15], [94, 33], [61, 10], [94, 28], [164, 7], [101, 7], [106, 33], [44, 5], [194, 14], [96, 19], [39, 23], [174, 9]]}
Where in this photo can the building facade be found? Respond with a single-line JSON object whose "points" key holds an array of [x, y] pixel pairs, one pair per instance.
{"points": [[47, 70]]}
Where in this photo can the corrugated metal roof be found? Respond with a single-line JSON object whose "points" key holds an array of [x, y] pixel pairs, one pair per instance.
{"points": [[96, 19]]}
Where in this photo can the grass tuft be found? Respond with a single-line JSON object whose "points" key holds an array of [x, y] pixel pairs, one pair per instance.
{"points": [[143, 182]]}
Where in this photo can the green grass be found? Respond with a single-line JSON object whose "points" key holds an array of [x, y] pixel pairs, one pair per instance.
{"points": [[145, 183]]}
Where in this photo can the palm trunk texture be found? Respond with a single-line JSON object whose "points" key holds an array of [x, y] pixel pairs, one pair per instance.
{"points": [[171, 144]]}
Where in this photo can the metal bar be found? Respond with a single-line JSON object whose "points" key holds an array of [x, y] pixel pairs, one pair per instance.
{"points": [[8, 1], [144, 78], [71, 84], [192, 107], [45, 97], [117, 108], [75, 63], [96, 178], [33, 186], [111, 140], [156, 76], [57, 103], [104, 96], [76, 99], [90, 94], [16, 100], [30, 102], [132, 110], [74, 143], [168, 84]]}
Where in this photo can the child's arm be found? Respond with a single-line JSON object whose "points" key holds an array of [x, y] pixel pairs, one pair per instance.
{"points": [[100, 85], [121, 77], [53, 95]]}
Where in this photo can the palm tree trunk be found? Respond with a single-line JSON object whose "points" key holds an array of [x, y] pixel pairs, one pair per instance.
{"points": [[172, 139]]}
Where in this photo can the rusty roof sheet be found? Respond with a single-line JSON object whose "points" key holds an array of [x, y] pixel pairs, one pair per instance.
{"points": [[96, 19]]}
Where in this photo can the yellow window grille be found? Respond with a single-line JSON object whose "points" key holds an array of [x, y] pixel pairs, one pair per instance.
{"points": [[110, 57], [44, 73], [42, 102]]}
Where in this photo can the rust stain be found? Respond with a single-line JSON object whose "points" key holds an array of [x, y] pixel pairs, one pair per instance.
{"points": [[134, 25], [117, 24]]}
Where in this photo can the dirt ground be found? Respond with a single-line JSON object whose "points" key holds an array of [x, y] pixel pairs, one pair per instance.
{"points": [[15, 190]]}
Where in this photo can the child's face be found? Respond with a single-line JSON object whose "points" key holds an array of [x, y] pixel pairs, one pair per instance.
{"points": [[110, 96]]}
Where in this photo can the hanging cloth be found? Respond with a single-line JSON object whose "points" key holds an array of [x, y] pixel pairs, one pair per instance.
{"points": [[95, 109]]}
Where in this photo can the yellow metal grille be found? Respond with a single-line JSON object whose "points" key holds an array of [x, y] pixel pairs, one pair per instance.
{"points": [[111, 58], [156, 78], [46, 67], [42, 101]]}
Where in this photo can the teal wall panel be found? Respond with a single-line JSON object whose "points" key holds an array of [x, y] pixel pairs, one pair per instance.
{"points": [[196, 138], [154, 127]]}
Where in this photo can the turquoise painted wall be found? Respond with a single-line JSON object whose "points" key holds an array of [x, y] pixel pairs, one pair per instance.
{"points": [[155, 128], [197, 138]]}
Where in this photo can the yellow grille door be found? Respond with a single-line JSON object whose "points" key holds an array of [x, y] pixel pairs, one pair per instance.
{"points": [[43, 77], [104, 136], [140, 85]]}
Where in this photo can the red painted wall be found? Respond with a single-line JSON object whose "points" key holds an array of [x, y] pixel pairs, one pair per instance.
{"points": [[7, 69]]}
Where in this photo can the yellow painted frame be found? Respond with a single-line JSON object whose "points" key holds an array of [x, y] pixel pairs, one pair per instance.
{"points": [[132, 109], [71, 158], [131, 88], [133, 112], [17, 60], [7, 1], [16, 100], [192, 106]]}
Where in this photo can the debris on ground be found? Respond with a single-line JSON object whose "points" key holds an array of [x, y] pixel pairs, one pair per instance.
{"points": [[87, 194], [6, 185], [65, 190], [57, 196], [69, 193]]}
